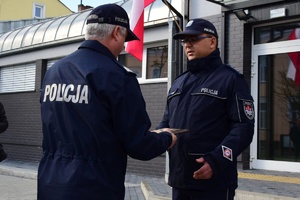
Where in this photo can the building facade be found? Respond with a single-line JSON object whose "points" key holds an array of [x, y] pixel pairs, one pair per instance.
{"points": [[28, 9], [14, 14], [258, 45]]}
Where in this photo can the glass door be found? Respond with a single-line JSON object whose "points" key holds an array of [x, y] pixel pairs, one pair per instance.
{"points": [[276, 92]]}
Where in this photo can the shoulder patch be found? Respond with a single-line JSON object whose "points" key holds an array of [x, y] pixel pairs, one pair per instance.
{"points": [[249, 109]]}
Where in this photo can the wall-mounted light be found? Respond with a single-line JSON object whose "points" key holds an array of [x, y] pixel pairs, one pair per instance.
{"points": [[242, 14]]}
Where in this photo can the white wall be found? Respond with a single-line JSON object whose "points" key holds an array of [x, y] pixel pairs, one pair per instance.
{"points": [[203, 8], [44, 53]]}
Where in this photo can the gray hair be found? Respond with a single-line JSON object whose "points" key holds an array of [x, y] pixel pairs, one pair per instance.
{"points": [[100, 31]]}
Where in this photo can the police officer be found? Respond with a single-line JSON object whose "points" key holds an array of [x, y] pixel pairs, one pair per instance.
{"points": [[3, 127], [94, 115], [213, 101]]}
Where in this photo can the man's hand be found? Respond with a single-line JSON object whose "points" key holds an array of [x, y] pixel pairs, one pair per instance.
{"points": [[174, 137], [205, 172]]}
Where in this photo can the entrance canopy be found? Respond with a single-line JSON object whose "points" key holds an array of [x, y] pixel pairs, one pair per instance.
{"points": [[238, 4]]}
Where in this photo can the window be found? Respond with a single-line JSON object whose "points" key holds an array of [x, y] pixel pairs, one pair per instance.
{"points": [[132, 63], [263, 63], [154, 67], [157, 62], [17, 78], [38, 11], [276, 33], [51, 62], [262, 113]]}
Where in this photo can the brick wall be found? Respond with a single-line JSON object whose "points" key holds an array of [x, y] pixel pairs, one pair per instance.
{"points": [[154, 167], [23, 138], [216, 20], [155, 95], [234, 42]]}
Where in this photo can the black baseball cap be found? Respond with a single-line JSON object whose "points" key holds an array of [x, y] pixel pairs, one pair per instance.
{"points": [[112, 14], [196, 27]]}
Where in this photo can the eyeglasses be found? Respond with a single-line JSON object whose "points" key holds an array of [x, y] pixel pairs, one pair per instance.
{"points": [[193, 40]]}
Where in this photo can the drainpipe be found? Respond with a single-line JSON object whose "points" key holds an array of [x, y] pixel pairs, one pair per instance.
{"points": [[179, 53], [175, 59]]}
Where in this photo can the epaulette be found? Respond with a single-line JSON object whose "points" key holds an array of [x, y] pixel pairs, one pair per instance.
{"points": [[182, 74], [233, 69], [129, 71]]}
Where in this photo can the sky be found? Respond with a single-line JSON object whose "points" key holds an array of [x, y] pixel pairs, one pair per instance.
{"points": [[73, 4]]}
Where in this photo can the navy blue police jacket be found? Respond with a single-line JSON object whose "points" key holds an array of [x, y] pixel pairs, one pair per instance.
{"points": [[213, 101], [93, 116]]}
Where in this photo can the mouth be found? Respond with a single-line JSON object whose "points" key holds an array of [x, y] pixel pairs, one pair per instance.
{"points": [[190, 53]]}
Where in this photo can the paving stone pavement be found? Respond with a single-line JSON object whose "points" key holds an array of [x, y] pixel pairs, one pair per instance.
{"points": [[15, 188], [18, 182]]}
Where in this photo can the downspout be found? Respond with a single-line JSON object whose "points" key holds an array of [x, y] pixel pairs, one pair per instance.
{"points": [[175, 59], [176, 56]]}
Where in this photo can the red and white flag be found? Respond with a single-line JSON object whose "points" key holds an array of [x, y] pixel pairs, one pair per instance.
{"points": [[135, 47], [294, 63]]}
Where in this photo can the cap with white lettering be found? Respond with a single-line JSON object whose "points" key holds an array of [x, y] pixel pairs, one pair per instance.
{"points": [[112, 14], [196, 27]]}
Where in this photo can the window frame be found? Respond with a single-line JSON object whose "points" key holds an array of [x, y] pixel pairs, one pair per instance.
{"points": [[20, 78], [143, 79], [43, 10]]}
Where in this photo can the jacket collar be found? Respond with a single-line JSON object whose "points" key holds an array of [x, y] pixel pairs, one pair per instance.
{"points": [[97, 46], [207, 63]]}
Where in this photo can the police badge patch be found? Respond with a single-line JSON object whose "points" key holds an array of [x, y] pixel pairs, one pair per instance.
{"points": [[249, 109], [227, 152]]}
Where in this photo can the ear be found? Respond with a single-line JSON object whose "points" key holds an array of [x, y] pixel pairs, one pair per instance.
{"points": [[213, 42], [116, 33]]}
